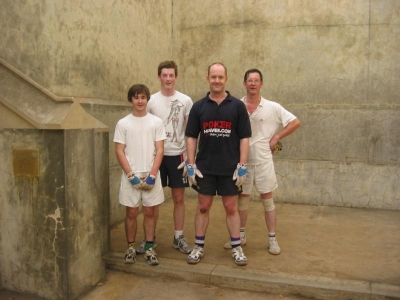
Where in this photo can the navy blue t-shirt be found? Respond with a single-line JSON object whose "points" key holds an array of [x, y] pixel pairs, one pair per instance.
{"points": [[221, 127]]}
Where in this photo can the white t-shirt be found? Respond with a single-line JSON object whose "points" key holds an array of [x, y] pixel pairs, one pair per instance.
{"points": [[266, 121], [139, 135], [172, 110]]}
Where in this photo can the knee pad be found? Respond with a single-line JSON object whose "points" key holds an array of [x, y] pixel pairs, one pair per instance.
{"points": [[268, 204], [243, 203]]}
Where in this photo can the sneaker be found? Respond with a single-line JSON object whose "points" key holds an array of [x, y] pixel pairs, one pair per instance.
{"points": [[151, 257], [238, 256], [130, 255], [273, 246], [243, 242], [182, 245], [196, 254], [142, 247]]}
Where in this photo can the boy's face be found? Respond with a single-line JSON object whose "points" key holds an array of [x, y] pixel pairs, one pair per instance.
{"points": [[167, 78], [139, 102]]}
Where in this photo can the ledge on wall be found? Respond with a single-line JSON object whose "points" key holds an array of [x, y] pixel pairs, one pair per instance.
{"points": [[26, 104]]}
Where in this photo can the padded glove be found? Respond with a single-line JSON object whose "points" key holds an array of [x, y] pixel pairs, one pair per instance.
{"points": [[192, 171], [240, 174], [183, 165], [135, 181], [148, 183]]}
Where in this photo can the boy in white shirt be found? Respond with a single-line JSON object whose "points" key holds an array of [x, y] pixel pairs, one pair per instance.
{"points": [[139, 147], [173, 108]]}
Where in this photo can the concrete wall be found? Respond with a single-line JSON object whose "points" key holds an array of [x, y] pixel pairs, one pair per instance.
{"points": [[311, 52], [91, 49], [335, 64], [109, 113], [87, 48], [55, 222]]}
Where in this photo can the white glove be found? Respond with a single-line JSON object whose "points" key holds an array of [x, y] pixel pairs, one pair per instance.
{"points": [[183, 165], [240, 174], [135, 181], [192, 171], [148, 183]]}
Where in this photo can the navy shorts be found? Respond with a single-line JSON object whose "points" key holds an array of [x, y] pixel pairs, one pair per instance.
{"points": [[170, 175], [217, 185]]}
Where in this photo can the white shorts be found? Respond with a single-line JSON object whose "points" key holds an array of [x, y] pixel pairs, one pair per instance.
{"points": [[262, 177], [131, 197]]}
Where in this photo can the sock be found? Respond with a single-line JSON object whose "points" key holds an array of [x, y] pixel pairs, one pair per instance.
{"points": [[235, 242], [132, 244], [242, 232], [271, 234], [199, 240], [149, 244], [178, 233]]}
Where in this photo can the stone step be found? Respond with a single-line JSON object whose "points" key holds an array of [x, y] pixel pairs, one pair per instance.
{"points": [[245, 278]]}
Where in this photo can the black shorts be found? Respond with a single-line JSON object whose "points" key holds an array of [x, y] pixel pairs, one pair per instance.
{"points": [[170, 175], [217, 185]]}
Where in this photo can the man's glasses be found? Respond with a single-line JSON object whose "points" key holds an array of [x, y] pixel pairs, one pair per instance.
{"points": [[253, 81]]}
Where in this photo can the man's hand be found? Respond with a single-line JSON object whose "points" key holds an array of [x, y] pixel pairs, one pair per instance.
{"points": [[275, 144], [192, 171], [278, 147], [148, 183], [135, 181], [240, 174]]}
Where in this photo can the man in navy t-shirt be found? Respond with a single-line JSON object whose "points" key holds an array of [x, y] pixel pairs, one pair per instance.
{"points": [[221, 123]]}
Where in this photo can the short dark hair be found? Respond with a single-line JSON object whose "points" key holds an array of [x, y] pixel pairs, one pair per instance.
{"points": [[217, 63], [137, 89], [168, 64], [253, 71]]}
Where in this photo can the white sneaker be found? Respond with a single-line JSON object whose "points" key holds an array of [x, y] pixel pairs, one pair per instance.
{"points": [[182, 245], [238, 256], [151, 257], [243, 242], [142, 246], [196, 254], [130, 255], [273, 246]]}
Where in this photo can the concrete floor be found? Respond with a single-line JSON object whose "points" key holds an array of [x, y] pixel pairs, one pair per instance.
{"points": [[120, 286], [345, 248], [327, 253]]}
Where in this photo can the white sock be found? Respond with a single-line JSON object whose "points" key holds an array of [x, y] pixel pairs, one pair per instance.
{"points": [[178, 233], [242, 232]]}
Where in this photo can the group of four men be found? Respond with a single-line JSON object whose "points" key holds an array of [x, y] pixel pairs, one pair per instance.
{"points": [[234, 139]]}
